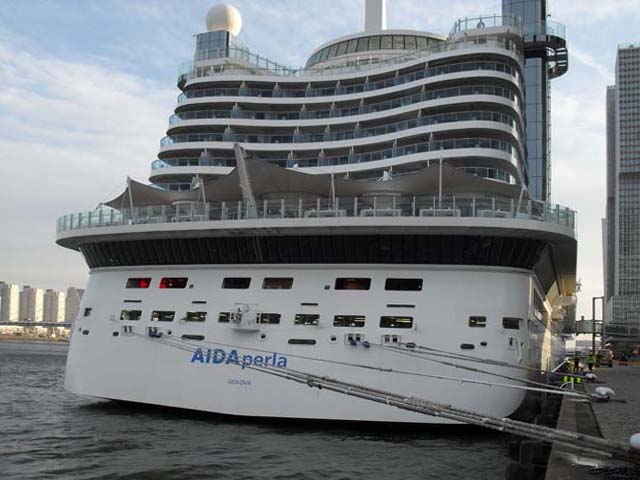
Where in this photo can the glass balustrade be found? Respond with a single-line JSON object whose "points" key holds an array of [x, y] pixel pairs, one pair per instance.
{"points": [[260, 64], [293, 208], [388, 153], [345, 135], [349, 89]]}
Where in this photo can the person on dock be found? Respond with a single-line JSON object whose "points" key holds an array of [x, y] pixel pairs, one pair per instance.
{"points": [[576, 363], [591, 360]]}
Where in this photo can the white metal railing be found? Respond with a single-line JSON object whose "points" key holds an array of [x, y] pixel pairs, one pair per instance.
{"points": [[292, 208]]}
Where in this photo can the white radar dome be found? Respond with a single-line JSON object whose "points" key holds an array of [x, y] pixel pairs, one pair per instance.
{"points": [[224, 17]]}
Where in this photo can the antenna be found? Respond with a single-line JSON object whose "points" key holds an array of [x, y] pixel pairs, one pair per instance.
{"points": [[375, 15]]}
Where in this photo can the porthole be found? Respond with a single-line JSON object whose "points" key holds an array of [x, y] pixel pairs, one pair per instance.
{"points": [[263, 336], [333, 339]]}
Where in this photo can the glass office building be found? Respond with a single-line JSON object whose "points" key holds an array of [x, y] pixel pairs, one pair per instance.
{"points": [[626, 302]]}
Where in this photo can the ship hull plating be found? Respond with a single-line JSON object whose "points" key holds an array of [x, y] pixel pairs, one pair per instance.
{"points": [[118, 359]]}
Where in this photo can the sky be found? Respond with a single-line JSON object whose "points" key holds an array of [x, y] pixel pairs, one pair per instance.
{"points": [[87, 87]]}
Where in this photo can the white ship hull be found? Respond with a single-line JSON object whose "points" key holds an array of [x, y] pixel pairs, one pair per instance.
{"points": [[105, 361]]}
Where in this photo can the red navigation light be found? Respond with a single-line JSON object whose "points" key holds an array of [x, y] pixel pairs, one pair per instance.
{"points": [[138, 282], [173, 282]]}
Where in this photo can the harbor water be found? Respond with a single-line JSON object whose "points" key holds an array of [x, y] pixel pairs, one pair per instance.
{"points": [[48, 433]]}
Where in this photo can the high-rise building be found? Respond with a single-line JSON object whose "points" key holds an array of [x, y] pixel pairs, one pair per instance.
{"points": [[545, 58], [31, 304], [609, 224], [74, 296], [54, 306], [626, 218], [9, 302]]}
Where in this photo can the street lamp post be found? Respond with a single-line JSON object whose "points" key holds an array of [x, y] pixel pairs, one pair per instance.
{"points": [[593, 319]]}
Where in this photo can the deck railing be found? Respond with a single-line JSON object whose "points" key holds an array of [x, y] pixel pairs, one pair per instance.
{"points": [[298, 208]]}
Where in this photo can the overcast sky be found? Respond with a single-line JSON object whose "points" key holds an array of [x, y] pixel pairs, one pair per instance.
{"points": [[86, 89]]}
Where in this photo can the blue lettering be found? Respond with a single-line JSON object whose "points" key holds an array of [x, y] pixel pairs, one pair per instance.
{"points": [[218, 356], [232, 357], [197, 356], [246, 360]]}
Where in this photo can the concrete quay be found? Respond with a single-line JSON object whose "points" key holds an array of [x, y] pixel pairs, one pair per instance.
{"points": [[615, 420]]}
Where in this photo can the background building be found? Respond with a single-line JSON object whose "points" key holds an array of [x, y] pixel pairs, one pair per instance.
{"points": [[545, 58], [54, 306], [31, 304], [9, 302], [609, 224], [74, 296], [623, 225]]}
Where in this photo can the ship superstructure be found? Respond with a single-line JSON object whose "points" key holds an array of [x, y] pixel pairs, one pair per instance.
{"points": [[325, 219]]}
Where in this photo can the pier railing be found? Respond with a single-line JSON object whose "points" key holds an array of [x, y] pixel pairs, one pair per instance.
{"points": [[299, 208]]}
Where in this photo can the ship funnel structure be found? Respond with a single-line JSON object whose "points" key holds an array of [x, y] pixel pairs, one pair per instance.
{"points": [[375, 15]]}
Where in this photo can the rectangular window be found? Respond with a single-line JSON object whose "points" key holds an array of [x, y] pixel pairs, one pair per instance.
{"points": [[422, 43], [410, 42], [333, 50], [130, 314], [272, 318], [138, 282], [374, 43], [223, 317], [398, 42], [342, 48], [353, 283], [173, 282], [162, 316], [87, 312], [396, 322], [348, 321], [236, 282], [511, 323], [477, 322], [277, 283], [306, 319], [196, 316], [404, 284], [386, 43], [363, 44], [351, 47]]}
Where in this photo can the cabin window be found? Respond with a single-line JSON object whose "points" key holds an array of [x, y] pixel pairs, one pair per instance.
{"points": [[404, 284], [87, 312], [272, 318], [353, 283], [236, 282], [223, 317], [386, 42], [192, 337], [511, 323], [173, 282], [138, 282], [396, 322], [348, 321], [306, 319], [301, 341], [130, 314], [195, 316], [277, 283], [162, 316], [477, 322]]}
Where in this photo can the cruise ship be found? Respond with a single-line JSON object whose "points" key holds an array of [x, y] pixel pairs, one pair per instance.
{"points": [[367, 217]]}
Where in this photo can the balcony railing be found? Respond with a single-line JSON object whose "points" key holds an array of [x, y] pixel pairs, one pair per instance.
{"points": [[291, 208], [387, 153], [486, 21], [350, 89], [421, 121], [258, 64]]}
